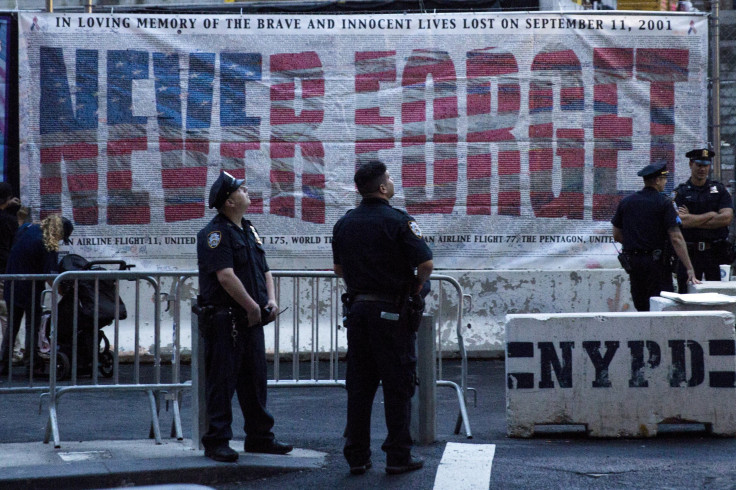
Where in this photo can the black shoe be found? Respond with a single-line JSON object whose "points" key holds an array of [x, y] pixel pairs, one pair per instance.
{"points": [[411, 465], [361, 468], [223, 454], [270, 447]]}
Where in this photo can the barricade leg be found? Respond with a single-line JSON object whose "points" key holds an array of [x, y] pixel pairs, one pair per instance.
{"points": [[424, 413], [199, 400], [52, 427], [154, 417], [463, 415], [176, 429]]}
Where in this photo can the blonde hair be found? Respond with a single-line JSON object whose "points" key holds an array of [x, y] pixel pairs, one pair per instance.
{"points": [[53, 231]]}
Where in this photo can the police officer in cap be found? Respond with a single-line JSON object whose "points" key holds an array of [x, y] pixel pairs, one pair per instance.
{"points": [[238, 298], [706, 211], [376, 249], [643, 223]]}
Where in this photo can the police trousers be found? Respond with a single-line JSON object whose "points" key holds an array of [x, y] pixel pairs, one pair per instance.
{"points": [[648, 278], [705, 262], [235, 366], [381, 348]]}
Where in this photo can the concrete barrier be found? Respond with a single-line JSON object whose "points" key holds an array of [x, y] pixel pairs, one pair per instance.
{"points": [[658, 303], [621, 374], [723, 287]]}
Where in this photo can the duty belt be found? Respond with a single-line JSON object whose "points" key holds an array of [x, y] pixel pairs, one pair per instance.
{"points": [[371, 297], [638, 251], [700, 246]]}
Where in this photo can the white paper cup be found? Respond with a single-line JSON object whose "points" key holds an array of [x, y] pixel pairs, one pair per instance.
{"points": [[725, 272]]}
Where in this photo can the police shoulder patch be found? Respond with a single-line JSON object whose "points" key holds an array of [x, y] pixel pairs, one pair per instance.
{"points": [[214, 238], [414, 227]]}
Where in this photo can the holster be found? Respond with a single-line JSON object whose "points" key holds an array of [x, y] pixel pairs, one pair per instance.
{"points": [[414, 310], [625, 262], [204, 313], [347, 302]]}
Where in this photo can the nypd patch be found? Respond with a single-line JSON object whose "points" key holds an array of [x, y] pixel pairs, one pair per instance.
{"points": [[414, 227], [213, 239]]}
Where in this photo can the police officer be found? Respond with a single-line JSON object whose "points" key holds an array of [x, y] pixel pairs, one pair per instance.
{"points": [[643, 223], [706, 210], [376, 249], [237, 294]]}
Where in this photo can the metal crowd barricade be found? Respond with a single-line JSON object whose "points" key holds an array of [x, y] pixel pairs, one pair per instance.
{"points": [[14, 386], [57, 388], [313, 299]]}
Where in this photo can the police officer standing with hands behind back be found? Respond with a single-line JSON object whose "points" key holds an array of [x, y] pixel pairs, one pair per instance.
{"points": [[706, 210], [376, 249], [643, 223], [236, 299]]}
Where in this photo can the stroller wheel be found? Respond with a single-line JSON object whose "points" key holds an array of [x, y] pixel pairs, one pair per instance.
{"points": [[104, 343], [63, 366], [106, 365]]}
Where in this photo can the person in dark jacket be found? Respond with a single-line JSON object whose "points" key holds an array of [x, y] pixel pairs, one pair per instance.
{"points": [[8, 227], [643, 223], [36, 251], [706, 211], [379, 252], [236, 287]]}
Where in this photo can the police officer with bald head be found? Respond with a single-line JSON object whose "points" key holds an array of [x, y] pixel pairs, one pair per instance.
{"points": [[237, 294], [643, 223], [706, 211]]}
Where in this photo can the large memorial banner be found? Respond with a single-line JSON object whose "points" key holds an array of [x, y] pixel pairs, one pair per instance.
{"points": [[510, 137]]}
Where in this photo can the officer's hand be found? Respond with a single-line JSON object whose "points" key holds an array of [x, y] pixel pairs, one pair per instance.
{"points": [[691, 277], [274, 311], [683, 210], [254, 315]]}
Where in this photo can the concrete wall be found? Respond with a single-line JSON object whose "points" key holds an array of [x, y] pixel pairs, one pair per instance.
{"points": [[493, 295]]}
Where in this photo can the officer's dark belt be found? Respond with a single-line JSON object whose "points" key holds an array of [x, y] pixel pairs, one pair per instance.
{"points": [[384, 298], [638, 251], [699, 246]]}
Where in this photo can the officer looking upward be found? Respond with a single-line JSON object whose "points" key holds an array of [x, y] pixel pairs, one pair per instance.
{"points": [[706, 210], [643, 222], [237, 292], [376, 249]]}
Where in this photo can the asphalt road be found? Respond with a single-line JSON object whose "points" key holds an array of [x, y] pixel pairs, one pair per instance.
{"points": [[314, 419]]}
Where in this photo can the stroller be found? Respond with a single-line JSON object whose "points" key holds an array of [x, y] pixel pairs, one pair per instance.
{"points": [[85, 319]]}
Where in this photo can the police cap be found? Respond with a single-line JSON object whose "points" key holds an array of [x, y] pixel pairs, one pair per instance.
{"points": [[221, 189], [653, 170], [703, 156]]}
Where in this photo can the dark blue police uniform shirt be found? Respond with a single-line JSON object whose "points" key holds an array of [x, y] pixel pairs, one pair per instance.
{"points": [[645, 217], [222, 245], [378, 247], [712, 196], [29, 256]]}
